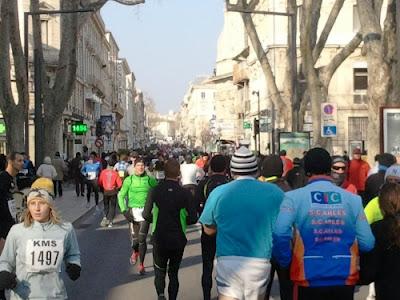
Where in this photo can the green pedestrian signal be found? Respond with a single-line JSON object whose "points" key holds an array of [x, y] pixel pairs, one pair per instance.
{"points": [[79, 128]]}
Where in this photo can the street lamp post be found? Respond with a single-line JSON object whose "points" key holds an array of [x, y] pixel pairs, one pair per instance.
{"points": [[39, 136], [258, 117]]}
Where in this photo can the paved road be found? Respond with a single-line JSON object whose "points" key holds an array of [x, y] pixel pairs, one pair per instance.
{"points": [[107, 273]]}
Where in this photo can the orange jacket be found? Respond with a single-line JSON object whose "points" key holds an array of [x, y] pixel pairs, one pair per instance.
{"points": [[358, 173]]}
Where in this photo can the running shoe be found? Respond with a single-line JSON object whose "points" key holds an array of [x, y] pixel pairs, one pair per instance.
{"points": [[110, 225], [141, 269], [104, 222], [134, 257]]}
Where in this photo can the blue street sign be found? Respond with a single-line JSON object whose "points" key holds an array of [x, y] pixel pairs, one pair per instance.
{"points": [[329, 131]]}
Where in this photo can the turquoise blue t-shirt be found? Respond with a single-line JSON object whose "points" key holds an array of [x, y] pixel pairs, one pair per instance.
{"points": [[244, 212]]}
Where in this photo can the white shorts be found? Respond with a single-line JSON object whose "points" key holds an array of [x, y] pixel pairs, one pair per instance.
{"points": [[137, 214], [242, 277]]}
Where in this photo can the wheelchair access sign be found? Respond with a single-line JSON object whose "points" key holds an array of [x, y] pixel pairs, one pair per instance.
{"points": [[328, 119]]}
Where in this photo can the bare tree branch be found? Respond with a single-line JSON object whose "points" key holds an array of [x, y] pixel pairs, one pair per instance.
{"points": [[327, 29], [327, 72]]}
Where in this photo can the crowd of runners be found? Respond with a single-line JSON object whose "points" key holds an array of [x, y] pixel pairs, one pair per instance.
{"points": [[322, 224]]}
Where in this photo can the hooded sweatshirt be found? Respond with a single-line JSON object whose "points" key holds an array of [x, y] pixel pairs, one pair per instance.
{"points": [[46, 169], [35, 254]]}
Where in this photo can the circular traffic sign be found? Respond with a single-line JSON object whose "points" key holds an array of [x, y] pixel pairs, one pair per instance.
{"points": [[328, 109], [99, 142]]}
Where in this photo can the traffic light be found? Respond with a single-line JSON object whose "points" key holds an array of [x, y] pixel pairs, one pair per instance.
{"points": [[99, 128], [256, 126]]}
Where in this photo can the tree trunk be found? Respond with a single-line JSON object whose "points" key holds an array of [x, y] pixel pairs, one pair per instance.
{"points": [[14, 115], [379, 72], [15, 130], [52, 138]]}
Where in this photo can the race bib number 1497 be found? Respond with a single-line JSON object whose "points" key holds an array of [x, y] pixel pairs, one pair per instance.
{"points": [[44, 255]]}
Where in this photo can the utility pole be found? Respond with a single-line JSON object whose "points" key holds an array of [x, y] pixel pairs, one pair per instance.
{"points": [[258, 117]]}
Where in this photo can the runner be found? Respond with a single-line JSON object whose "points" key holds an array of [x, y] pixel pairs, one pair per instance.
{"points": [[375, 181], [31, 262], [122, 166], [330, 229], [271, 171], [91, 170], [191, 174], [339, 174], [171, 209], [8, 186], [382, 265], [243, 218], [218, 165], [136, 187], [110, 182]]}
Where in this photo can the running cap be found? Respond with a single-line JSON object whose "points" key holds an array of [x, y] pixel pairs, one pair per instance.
{"points": [[317, 161], [272, 166], [243, 162], [43, 189], [393, 171]]}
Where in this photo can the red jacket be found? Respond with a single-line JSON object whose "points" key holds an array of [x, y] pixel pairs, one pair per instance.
{"points": [[287, 165], [109, 180], [349, 187], [358, 173]]}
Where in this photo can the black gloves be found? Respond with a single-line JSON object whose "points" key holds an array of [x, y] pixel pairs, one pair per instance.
{"points": [[73, 271], [7, 280], [129, 216]]}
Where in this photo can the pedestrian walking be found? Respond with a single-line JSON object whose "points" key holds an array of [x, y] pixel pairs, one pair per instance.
{"points": [[217, 177], [47, 169], [382, 265], [318, 234], [136, 187], [91, 171], [243, 218], [170, 208], [61, 169], [79, 180], [30, 264], [110, 182]]}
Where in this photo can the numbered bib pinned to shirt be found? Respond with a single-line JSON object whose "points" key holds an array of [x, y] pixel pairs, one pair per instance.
{"points": [[92, 175], [44, 255]]}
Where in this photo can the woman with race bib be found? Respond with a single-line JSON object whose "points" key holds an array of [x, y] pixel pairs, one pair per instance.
{"points": [[136, 187], [30, 264]]}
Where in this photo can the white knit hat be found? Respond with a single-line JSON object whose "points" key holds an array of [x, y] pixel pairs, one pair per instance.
{"points": [[243, 162]]}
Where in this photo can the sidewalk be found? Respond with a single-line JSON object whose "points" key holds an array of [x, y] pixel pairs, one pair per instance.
{"points": [[71, 207]]}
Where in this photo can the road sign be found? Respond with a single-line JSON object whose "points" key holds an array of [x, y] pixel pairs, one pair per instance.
{"points": [[99, 142], [328, 119], [246, 125], [329, 131]]}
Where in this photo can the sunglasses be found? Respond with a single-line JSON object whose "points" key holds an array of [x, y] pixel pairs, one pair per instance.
{"points": [[337, 168]]}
